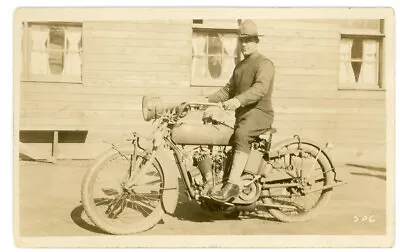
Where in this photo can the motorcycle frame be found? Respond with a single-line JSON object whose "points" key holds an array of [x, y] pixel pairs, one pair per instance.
{"points": [[163, 125]]}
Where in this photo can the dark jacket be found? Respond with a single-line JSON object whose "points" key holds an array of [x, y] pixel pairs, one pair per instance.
{"points": [[251, 83]]}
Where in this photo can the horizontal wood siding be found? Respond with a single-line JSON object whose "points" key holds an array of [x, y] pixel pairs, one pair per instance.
{"points": [[137, 54], [123, 61]]}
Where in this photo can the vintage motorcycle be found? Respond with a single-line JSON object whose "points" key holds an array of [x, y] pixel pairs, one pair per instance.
{"points": [[132, 186]]}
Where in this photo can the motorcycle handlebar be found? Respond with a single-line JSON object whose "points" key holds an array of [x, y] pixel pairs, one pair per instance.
{"points": [[209, 104]]}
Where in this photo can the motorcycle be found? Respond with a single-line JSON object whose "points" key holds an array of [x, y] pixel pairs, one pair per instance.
{"points": [[133, 186]]}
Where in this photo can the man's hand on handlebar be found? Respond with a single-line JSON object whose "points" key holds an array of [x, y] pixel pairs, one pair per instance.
{"points": [[231, 104]]}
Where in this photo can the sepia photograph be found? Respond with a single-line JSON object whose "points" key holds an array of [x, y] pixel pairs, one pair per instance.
{"points": [[204, 127]]}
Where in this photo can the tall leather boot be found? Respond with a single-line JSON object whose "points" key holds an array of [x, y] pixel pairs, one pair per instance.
{"points": [[231, 189]]}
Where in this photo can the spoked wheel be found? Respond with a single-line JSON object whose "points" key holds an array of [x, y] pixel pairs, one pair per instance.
{"points": [[115, 208], [299, 184]]}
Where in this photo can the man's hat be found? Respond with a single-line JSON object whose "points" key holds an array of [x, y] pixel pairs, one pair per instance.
{"points": [[248, 29]]}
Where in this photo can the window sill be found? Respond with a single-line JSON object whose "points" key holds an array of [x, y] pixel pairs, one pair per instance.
{"points": [[365, 88], [61, 79]]}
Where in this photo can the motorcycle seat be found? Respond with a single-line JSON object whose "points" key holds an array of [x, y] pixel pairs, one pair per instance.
{"points": [[267, 133]]}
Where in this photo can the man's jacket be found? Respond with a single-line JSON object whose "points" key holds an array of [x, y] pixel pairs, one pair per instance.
{"points": [[251, 83]]}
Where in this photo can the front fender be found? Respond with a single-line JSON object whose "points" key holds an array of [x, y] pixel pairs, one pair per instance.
{"points": [[171, 192]]}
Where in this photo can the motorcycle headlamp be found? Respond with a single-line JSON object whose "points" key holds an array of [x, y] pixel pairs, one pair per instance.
{"points": [[151, 107]]}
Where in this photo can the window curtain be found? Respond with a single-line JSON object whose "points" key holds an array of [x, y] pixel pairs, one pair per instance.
{"points": [[39, 63], [346, 73], [368, 72], [198, 59], [73, 61], [229, 44]]}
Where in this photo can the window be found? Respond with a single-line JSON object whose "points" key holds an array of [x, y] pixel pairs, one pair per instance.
{"points": [[214, 51], [52, 52], [361, 57]]}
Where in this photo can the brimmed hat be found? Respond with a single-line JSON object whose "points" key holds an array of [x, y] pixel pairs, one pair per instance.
{"points": [[248, 29]]}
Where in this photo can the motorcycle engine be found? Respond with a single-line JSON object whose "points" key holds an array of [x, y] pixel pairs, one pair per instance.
{"points": [[212, 164]]}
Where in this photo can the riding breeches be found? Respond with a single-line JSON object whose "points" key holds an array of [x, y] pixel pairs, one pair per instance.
{"points": [[249, 126]]}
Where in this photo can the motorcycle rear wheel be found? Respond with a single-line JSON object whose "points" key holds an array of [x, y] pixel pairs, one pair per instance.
{"points": [[302, 210], [114, 209]]}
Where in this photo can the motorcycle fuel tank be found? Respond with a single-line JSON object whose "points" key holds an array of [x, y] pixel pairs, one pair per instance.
{"points": [[202, 134]]}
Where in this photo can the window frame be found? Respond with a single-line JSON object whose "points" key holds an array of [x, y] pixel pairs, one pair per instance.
{"points": [[207, 28], [25, 73], [366, 34]]}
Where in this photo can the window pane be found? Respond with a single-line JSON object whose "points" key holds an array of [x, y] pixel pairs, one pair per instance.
{"points": [[356, 68], [214, 44], [215, 66], [357, 49], [199, 67], [56, 49]]}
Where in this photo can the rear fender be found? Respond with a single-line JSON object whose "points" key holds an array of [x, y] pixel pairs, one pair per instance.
{"points": [[295, 140]]}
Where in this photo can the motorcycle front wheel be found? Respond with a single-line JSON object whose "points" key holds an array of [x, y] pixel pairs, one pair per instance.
{"points": [[114, 208]]}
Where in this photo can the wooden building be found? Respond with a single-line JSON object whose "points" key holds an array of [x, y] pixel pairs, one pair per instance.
{"points": [[82, 83]]}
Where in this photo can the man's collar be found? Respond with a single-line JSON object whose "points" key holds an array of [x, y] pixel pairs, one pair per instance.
{"points": [[252, 56]]}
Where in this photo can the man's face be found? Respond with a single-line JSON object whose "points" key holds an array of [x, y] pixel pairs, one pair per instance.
{"points": [[248, 45]]}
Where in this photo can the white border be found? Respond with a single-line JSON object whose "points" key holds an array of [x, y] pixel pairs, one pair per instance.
{"points": [[7, 12]]}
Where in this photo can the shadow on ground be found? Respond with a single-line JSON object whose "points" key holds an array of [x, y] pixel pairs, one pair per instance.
{"points": [[381, 170], [26, 158], [383, 177], [76, 216], [369, 168], [187, 210]]}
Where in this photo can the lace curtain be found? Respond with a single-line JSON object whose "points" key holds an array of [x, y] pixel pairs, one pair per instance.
{"points": [[198, 59], [229, 44], [368, 72], [39, 62], [346, 72], [73, 62]]}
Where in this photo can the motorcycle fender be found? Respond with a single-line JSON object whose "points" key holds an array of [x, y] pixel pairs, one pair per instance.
{"points": [[171, 191], [284, 142]]}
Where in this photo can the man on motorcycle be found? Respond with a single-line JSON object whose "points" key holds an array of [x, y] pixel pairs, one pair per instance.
{"points": [[248, 92]]}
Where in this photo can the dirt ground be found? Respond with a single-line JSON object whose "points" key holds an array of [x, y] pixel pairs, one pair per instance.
{"points": [[49, 201]]}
